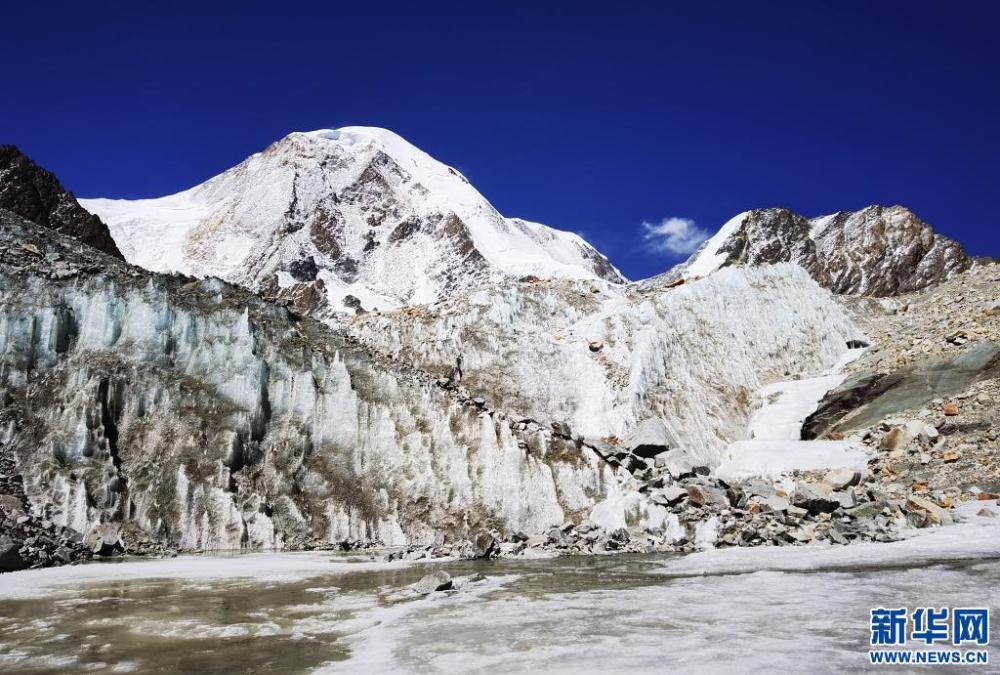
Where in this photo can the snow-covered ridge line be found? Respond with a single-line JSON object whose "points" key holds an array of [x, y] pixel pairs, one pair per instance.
{"points": [[333, 213]]}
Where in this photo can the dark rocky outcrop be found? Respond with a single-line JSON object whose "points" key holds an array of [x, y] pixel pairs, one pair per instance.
{"points": [[877, 251], [37, 195], [865, 399]]}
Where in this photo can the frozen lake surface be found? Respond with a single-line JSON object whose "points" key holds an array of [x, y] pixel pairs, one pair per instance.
{"points": [[736, 610]]}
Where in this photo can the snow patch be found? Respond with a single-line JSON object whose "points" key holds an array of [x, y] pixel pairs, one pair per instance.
{"points": [[711, 258]]}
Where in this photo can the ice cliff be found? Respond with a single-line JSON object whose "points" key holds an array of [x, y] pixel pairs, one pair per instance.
{"points": [[603, 358], [162, 408]]}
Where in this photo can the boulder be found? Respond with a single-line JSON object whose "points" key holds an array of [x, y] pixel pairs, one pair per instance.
{"points": [[812, 500], [485, 545], [847, 499], [703, 495], [776, 503], [603, 448], [839, 479], [650, 438], [104, 540], [670, 495], [925, 432], [435, 581], [10, 556], [935, 514], [898, 437], [680, 465], [756, 486], [867, 510]]}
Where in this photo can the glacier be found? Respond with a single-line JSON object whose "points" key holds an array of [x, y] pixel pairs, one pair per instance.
{"points": [[603, 358], [164, 408]]}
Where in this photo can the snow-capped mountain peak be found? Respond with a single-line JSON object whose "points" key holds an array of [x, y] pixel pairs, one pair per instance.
{"points": [[350, 217]]}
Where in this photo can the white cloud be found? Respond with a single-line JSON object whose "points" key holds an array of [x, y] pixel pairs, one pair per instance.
{"points": [[678, 236]]}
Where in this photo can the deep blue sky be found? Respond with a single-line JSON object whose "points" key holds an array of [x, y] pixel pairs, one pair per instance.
{"points": [[592, 118]]}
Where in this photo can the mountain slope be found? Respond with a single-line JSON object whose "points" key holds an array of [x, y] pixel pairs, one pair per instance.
{"points": [[354, 212], [877, 251], [33, 193]]}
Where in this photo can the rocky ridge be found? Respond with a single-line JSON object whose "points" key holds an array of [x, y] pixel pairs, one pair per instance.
{"points": [[877, 251], [934, 423], [37, 195]]}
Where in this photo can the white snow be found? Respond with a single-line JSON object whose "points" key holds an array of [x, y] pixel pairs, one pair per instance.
{"points": [[819, 225], [710, 258], [773, 447], [789, 404], [339, 195], [152, 233], [746, 459]]}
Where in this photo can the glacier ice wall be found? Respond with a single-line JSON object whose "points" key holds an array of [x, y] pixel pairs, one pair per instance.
{"points": [[603, 358], [186, 412]]}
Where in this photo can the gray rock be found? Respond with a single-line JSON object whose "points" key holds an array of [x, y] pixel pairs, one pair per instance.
{"points": [[706, 495], [839, 479], [836, 536], [650, 438], [617, 540], [866, 511], [808, 498], [562, 430], [104, 540], [438, 580], [847, 499], [776, 503], [936, 515], [756, 486], [10, 557], [678, 464], [670, 495], [925, 432]]}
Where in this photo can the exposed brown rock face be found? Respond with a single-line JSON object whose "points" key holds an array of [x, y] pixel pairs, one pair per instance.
{"points": [[37, 195], [878, 251]]}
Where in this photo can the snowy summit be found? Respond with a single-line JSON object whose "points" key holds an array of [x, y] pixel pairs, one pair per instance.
{"points": [[347, 217]]}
